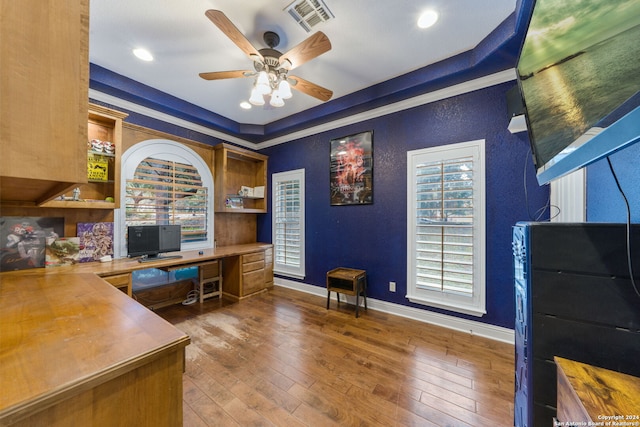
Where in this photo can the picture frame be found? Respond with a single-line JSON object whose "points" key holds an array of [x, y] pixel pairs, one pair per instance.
{"points": [[351, 169]]}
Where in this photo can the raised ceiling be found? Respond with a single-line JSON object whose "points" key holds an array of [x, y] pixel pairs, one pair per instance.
{"points": [[373, 42]]}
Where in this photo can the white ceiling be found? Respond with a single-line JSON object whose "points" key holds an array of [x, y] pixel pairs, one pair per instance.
{"points": [[372, 42]]}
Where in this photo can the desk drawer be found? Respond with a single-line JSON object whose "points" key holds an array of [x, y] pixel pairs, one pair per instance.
{"points": [[210, 270], [256, 256], [252, 262]]}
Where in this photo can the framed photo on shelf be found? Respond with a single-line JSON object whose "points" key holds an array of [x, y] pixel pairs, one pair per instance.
{"points": [[351, 169]]}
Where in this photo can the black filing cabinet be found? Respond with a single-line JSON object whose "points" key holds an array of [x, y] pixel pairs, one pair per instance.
{"points": [[574, 299]]}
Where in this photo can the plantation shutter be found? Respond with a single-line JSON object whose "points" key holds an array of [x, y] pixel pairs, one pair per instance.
{"points": [[168, 192], [444, 225], [288, 220]]}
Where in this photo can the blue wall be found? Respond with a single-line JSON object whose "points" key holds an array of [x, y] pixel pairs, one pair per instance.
{"points": [[373, 237], [604, 201]]}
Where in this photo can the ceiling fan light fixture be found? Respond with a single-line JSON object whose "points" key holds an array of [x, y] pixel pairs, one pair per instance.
{"points": [[256, 97], [263, 78], [276, 100], [263, 89], [286, 64], [284, 89]]}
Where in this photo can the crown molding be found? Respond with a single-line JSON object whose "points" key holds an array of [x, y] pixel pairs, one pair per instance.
{"points": [[448, 92]]}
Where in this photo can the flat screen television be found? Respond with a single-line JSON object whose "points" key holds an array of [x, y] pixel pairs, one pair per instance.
{"points": [[579, 76], [150, 241]]}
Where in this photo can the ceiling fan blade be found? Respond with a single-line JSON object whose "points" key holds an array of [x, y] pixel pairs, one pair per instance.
{"points": [[310, 89], [226, 26], [219, 75], [308, 49]]}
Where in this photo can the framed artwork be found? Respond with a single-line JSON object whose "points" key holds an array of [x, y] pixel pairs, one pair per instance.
{"points": [[24, 239], [351, 169]]}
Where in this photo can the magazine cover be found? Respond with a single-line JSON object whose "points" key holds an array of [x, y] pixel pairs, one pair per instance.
{"points": [[96, 240], [23, 240], [62, 251]]}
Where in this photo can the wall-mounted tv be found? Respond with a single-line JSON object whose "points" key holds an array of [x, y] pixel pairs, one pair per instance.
{"points": [[150, 241], [579, 76]]}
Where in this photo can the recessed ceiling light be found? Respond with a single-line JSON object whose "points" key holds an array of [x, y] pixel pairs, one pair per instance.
{"points": [[143, 54], [245, 105], [427, 19]]}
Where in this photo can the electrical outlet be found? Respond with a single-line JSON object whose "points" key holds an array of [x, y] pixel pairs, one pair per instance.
{"points": [[392, 286]]}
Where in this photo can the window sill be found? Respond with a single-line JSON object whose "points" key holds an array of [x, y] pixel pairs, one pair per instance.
{"points": [[451, 306], [286, 274]]}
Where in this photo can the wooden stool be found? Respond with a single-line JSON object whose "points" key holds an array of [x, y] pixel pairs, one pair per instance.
{"points": [[347, 281]]}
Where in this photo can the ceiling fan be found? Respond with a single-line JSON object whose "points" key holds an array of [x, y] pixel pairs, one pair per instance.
{"points": [[271, 67]]}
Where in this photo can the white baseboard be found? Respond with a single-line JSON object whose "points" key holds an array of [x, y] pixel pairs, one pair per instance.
{"points": [[496, 333]]}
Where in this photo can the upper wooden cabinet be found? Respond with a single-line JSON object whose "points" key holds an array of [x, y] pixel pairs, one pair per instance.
{"points": [[43, 108], [234, 168]]}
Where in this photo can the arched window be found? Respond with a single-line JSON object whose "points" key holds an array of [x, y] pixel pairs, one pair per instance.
{"points": [[165, 182]]}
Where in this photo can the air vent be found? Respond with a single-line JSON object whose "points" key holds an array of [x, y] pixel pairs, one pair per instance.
{"points": [[309, 13]]}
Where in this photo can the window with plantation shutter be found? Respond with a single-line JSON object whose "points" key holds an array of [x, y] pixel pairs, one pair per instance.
{"points": [[168, 192], [166, 182], [288, 223], [446, 227]]}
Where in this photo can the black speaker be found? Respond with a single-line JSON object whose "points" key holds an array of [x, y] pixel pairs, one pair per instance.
{"points": [[514, 102]]}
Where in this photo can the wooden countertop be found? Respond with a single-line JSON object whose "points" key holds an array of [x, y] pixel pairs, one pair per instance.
{"points": [[598, 394], [65, 330], [126, 265]]}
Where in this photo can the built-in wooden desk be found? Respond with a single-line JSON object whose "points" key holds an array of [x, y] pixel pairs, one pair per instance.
{"points": [[234, 272], [74, 350]]}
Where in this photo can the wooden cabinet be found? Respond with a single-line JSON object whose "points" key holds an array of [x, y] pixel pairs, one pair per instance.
{"points": [[589, 395], [234, 168], [44, 84], [248, 274], [252, 273], [101, 186]]}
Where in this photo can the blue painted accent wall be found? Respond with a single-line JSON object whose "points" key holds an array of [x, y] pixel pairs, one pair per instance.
{"points": [[373, 237], [604, 201]]}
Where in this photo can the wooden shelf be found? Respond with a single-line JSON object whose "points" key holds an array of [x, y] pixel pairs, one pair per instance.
{"points": [[96, 153], [81, 204], [236, 167], [104, 124]]}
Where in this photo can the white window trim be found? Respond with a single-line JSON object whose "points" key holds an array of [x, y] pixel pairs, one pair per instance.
{"points": [[280, 269], [162, 149], [475, 305]]}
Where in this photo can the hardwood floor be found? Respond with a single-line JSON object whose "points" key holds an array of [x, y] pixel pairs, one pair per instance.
{"points": [[282, 359]]}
